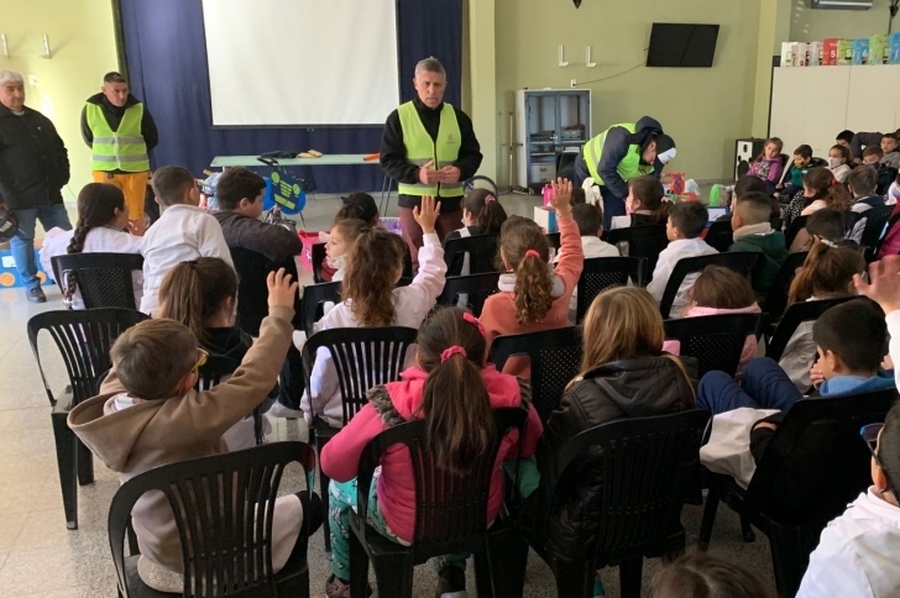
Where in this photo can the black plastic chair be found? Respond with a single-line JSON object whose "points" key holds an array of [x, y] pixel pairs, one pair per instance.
{"points": [[314, 298], [252, 269], [646, 463], [481, 249], [797, 224], [719, 236], [103, 279], [84, 338], [223, 507], [215, 370], [777, 297], [643, 241], [804, 311], [451, 515], [715, 341], [555, 359], [475, 287], [555, 240], [601, 273], [363, 359], [815, 464], [875, 226], [742, 262]]}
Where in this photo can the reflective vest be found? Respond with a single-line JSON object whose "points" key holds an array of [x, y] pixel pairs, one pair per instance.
{"points": [[629, 167], [124, 149], [420, 148]]}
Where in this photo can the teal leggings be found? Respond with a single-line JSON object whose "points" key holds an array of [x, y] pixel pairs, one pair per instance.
{"points": [[342, 499]]}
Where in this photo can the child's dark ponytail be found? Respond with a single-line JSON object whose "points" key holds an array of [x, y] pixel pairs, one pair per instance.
{"points": [[456, 405], [650, 192], [97, 205], [825, 187], [486, 209]]}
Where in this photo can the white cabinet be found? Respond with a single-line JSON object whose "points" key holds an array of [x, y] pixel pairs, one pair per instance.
{"points": [[549, 122]]}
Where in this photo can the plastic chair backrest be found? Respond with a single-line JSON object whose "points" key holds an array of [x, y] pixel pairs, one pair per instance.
{"points": [[717, 342], [223, 507], [601, 273], [84, 338], [482, 251], [476, 287], [719, 236], [641, 462], [803, 311], [317, 255], [451, 510], [643, 241], [816, 462], [104, 279], [797, 224], [777, 297], [555, 240], [741, 262], [555, 359], [363, 358], [873, 233], [314, 296]]}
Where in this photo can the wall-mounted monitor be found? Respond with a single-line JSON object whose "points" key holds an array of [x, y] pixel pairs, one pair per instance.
{"points": [[682, 45]]}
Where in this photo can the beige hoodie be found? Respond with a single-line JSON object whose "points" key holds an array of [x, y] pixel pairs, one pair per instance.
{"points": [[152, 433]]}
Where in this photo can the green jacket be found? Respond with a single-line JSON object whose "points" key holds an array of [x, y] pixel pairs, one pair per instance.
{"points": [[772, 246]]}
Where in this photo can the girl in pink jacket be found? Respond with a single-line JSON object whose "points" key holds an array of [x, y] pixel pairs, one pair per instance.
{"points": [[455, 391]]}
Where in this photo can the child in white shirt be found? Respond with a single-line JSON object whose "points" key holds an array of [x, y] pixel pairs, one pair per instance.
{"points": [[184, 232], [374, 265], [101, 228], [687, 221]]}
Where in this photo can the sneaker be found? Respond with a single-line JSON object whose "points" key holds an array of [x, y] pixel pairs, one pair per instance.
{"points": [[281, 410], [451, 583], [337, 588], [36, 295]]}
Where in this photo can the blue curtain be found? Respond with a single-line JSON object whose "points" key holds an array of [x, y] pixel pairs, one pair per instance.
{"points": [[166, 58]]}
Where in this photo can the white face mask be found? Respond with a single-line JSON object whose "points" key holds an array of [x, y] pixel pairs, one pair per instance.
{"points": [[834, 162], [338, 263]]}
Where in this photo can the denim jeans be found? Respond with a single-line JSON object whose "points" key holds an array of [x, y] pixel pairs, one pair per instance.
{"points": [[764, 385], [22, 245]]}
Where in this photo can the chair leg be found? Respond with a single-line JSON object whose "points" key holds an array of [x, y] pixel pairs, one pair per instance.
{"points": [[66, 463], [326, 503], [747, 530], [709, 517], [359, 568], [85, 460], [574, 580], [500, 573], [630, 572], [394, 576], [789, 561]]}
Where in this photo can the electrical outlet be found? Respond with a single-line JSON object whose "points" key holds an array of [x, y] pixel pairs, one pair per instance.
{"points": [[573, 83], [32, 80]]}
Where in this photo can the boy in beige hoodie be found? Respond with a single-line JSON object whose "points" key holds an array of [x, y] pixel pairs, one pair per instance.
{"points": [[148, 414]]}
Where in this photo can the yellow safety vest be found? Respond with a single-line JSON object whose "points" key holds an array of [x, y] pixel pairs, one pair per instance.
{"points": [[420, 148], [124, 149], [629, 167]]}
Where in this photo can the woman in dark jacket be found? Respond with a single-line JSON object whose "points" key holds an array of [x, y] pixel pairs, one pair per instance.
{"points": [[625, 373]]}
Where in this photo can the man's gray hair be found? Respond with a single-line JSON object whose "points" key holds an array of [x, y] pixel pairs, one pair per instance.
{"points": [[7, 75], [432, 65]]}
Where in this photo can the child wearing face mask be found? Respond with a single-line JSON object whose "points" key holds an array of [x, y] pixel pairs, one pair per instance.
{"points": [[838, 162], [341, 238], [794, 179]]}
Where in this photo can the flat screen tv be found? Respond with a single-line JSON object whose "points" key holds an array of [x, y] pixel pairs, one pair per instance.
{"points": [[682, 45]]}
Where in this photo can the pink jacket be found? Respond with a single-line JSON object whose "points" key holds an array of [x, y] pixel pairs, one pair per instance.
{"points": [[695, 311], [396, 487]]}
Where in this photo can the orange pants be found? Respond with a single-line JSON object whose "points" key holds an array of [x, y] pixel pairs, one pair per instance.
{"points": [[132, 184]]}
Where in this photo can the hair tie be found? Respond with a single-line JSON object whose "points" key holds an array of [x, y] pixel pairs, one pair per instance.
{"points": [[833, 182], [830, 243], [489, 198], [533, 253], [451, 351], [468, 317]]}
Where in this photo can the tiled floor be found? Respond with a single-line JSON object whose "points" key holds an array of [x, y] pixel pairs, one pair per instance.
{"points": [[40, 557]]}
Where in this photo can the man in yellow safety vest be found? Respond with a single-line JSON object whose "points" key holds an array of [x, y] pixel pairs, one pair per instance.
{"points": [[120, 132], [429, 148], [619, 154]]}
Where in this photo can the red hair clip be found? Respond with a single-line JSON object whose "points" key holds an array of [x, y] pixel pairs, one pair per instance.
{"points": [[451, 351]]}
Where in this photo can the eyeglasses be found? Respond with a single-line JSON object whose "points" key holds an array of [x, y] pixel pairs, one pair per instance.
{"points": [[870, 434], [202, 357]]}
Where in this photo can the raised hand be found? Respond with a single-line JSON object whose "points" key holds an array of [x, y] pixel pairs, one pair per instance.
{"points": [[562, 196], [884, 283], [426, 213], [282, 292]]}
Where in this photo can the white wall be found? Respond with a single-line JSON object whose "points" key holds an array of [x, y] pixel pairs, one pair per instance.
{"points": [[812, 25]]}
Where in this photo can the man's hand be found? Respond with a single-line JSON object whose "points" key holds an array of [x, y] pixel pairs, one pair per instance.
{"points": [[884, 283], [428, 175], [426, 213], [562, 196], [449, 174]]}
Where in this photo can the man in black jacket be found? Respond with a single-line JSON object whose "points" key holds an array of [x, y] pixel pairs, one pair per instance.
{"points": [[429, 148], [34, 166]]}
